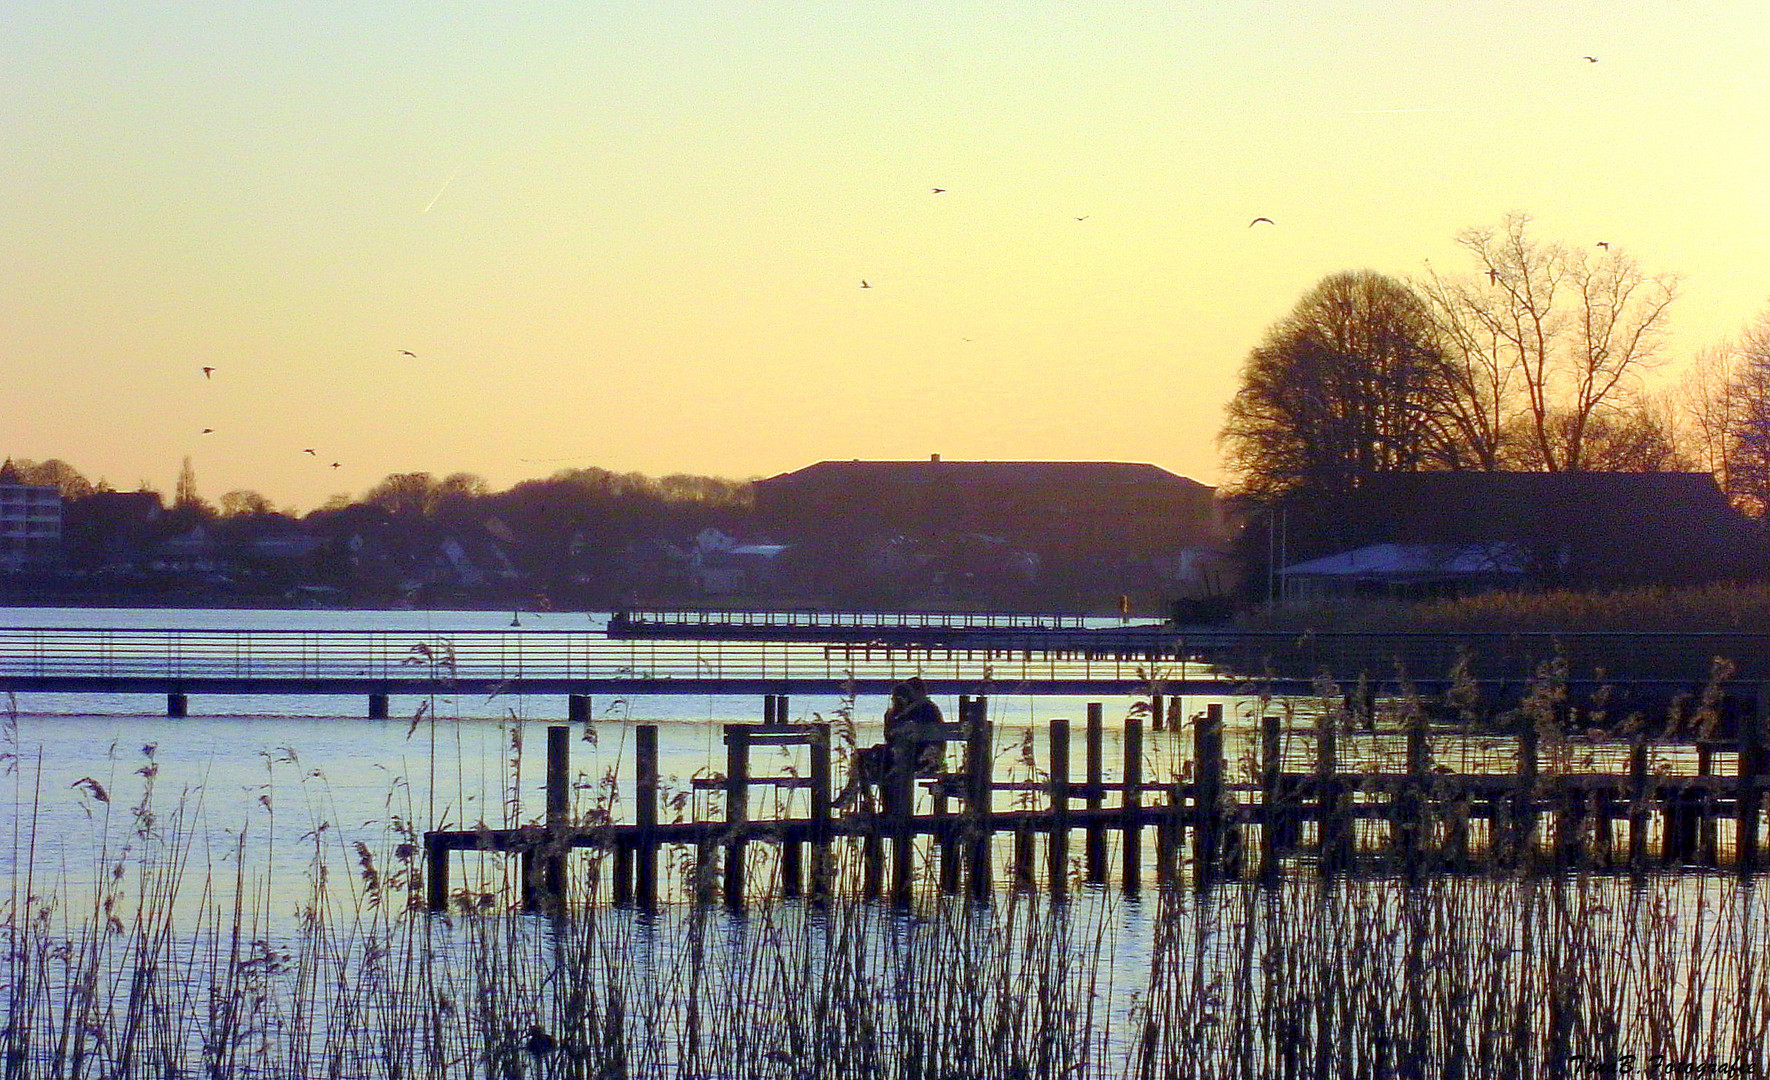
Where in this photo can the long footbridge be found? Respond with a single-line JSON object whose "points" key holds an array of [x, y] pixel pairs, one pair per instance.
{"points": [[377, 663], [1137, 660]]}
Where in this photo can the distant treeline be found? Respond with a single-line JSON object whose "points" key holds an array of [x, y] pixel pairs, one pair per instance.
{"points": [[580, 538]]}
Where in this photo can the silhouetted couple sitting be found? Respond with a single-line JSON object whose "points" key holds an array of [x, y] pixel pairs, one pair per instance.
{"points": [[911, 708]]}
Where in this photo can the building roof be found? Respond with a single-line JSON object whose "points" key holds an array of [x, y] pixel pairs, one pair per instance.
{"points": [[1589, 524], [1054, 474], [1400, 563]]}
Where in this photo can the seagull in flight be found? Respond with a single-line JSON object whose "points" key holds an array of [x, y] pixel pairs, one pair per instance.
{"points": [[208, 372], [408, 352], [309, 452], [208, 431], [938, 190], [1258, 220], [1605, 244], [1084, 217], [335, 464], [863, 284], [1493, 276], [1591, 59]]}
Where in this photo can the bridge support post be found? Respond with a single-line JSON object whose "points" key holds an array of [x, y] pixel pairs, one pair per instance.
{"points": [[377, 706], [577, 708], [177, 705]]}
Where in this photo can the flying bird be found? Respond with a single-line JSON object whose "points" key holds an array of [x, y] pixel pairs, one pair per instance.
{"points": [[310, 453], [1493, 277], [1605, 244], [938, 190], [1591, 59], [1258, 220], [1084, 217], [408, 352], [207, 372], [335, 464], [208, 431], [863, 284]]}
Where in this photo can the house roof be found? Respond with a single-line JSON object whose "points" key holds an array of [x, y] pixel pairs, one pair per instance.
{"points": [[1607, 525], [1415, 562]]}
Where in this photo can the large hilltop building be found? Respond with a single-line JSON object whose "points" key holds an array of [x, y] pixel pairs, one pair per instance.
{"points": [[1073, 505], [993, 531]]}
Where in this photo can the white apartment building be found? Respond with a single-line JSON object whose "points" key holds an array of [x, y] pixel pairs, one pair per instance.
{"points": [[30, 526]]}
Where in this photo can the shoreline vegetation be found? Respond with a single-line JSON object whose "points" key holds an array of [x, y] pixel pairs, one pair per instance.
{"points": [[174, 953], [1647, 609]]}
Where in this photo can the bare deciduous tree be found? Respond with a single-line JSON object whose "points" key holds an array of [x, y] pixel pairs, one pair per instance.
{"points": [[1727, 403], [1563, 334]]}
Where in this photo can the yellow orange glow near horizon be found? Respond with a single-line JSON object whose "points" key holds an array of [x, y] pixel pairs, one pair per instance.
{"points": [[633, 235]]}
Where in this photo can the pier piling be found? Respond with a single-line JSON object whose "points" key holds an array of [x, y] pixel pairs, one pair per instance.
{"points": [[1057, 841], [1095, 836], [1207, 795], [645, 816], [1131, 805]]}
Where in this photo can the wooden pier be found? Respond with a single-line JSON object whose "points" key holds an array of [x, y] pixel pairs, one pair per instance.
{"points": [[1296, 810]]}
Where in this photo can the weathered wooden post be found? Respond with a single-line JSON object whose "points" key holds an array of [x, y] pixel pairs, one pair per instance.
{"points": [[1638, 802], [980, 780], [1706, 838], [900, 806], [377, 706], [737, 810], [645, 815], [1410, 802], [1169, 834], [1273, 813], [1057, 841], [1751, 769], [1333, 823], [436, 872], [577, 708], [946, 841], [1522, 811], [557, 841], [1095, 835], [1026, 877], [177, 705], [1207, 795], [621, 887], [792, 866], [1155, 712], [821, 830], [1131, 805]]}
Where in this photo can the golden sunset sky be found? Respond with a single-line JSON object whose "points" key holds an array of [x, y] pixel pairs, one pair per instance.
{"points": [[633, 235]]}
